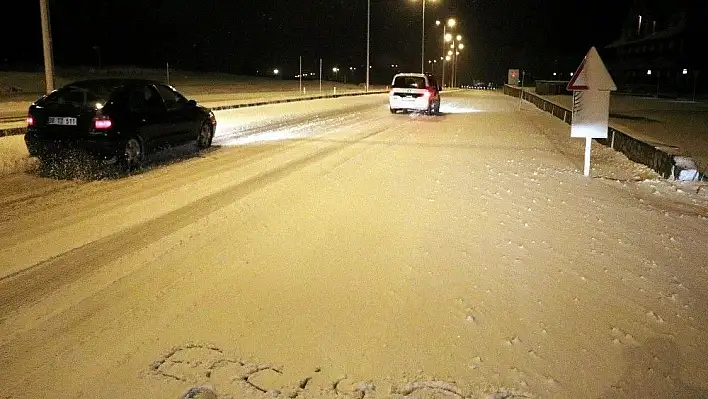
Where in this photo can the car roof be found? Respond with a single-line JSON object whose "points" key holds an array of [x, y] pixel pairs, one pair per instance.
{"points": [[107, 86], [418, 75], [115, 82]]}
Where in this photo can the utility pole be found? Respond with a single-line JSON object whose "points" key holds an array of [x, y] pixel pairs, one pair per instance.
{"points": [[47, 46]]}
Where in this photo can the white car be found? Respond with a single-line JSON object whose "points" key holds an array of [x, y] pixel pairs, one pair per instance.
{"points": [[414, 92]]}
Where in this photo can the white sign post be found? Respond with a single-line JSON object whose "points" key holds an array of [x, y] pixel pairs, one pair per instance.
{"points": [[591, 85]]}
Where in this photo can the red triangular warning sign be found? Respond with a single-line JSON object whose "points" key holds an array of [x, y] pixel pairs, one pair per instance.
{"points": [[579, 80], [592, 75]]}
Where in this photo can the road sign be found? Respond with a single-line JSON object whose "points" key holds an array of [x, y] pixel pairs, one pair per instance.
{"points": [[591, 85], [592, 75], [513, 77]]}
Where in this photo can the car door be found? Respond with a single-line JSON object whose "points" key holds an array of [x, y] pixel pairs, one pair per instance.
{"points": [[182, 118], [147, 116]]}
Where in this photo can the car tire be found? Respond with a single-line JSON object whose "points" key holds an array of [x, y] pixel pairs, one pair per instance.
{"points": [[133, 154], [437, 108], [205, 136]]}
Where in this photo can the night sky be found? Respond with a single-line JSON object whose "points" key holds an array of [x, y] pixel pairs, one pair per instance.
{"points": [[256, 36]]}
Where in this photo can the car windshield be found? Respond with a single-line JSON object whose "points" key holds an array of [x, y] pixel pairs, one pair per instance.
{"points": [[409, 82]]}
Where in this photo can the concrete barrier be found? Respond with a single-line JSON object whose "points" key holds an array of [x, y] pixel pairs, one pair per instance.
{"points": [[665, 162]]}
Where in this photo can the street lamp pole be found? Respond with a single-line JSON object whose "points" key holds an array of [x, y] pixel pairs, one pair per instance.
{"points": [[443, 54], [47, 46], [422, 44], [368, 42]]}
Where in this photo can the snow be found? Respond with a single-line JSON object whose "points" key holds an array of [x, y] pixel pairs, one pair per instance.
{"points": [[14, 156], [361, 253]]}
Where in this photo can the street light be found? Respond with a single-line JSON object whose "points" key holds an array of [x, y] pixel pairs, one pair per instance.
{"points": [[455, 46], [451, 22], [422, 41], [276, 71]]}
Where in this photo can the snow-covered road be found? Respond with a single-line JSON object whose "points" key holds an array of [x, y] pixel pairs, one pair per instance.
{"points": [[328, 248]]}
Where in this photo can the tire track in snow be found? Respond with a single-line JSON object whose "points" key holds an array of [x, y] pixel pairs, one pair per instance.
{"points": [[31, 284]]}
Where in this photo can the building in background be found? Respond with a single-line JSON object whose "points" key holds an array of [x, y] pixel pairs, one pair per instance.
{"points": [[661, 50]]}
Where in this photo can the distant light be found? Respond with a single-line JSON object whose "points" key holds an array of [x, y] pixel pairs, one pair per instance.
{"points": [[555, 74], [448, 37], [335, 69], [276, 71], [449, 52], [99, 106], [459, 37], [648, 71], [685, 71], [461, 46], [437, 23], [451, 22], [571, 74], [447, 58]]}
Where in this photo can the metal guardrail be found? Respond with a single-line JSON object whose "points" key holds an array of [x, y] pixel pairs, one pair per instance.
{"points": [[11, 119]]}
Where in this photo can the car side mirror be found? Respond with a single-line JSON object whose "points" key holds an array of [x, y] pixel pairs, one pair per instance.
{"points": [[192, 103]]}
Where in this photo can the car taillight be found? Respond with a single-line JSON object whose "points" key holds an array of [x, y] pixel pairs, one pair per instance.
{"points": [[428, 93], [102, 123], [30, 120]]}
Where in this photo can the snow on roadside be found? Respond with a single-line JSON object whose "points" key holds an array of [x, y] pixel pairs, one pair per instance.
{"points": [[14, 156]]}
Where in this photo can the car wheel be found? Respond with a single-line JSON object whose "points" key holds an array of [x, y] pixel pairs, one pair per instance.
{"points": [[206, 135], [132, 154], [393, 111], [437, 108]]}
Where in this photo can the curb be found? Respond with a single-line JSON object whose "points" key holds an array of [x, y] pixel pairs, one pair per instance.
{"points": [[14, 131], [668, 164]]}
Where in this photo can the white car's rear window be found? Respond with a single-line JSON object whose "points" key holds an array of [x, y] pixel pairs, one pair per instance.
{"points": [[409, 82]]}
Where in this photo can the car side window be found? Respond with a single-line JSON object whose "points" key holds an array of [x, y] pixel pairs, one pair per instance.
{"points": [[144, 99], [172, 99]]}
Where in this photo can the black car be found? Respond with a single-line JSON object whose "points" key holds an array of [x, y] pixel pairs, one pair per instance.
{"points": [[115, 120]]}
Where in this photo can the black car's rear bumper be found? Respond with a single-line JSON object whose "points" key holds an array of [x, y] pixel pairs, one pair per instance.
{"points": [[98, 147]]}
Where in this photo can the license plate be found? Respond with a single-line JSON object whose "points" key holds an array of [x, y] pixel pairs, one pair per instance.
{"points": [[53, 120]]}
